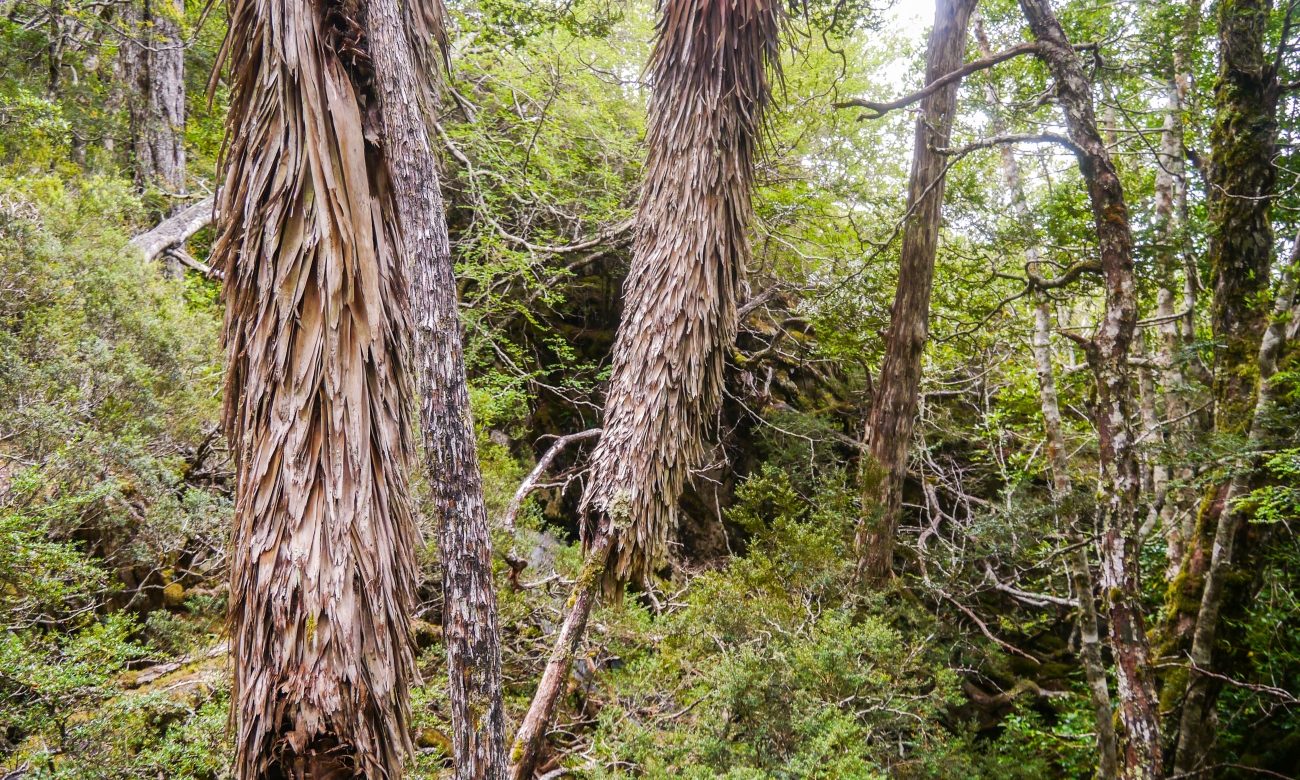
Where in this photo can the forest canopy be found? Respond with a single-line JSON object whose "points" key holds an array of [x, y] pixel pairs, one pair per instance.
{"points": [[617, 388]]}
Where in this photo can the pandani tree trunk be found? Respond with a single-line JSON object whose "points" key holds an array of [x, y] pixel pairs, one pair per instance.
{"points": [[710, 74], [323, 567]]}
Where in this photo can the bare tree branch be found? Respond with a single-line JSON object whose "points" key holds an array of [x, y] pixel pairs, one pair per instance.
{"points": [[530, 482], [973, 66], [176, 229]]}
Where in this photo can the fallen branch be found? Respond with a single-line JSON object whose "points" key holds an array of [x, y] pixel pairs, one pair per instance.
{"points": [[176, 229], [143, 677]]}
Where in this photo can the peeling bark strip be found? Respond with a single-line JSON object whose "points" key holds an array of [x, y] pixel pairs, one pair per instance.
{"points": [[322, 564], [893, 409], [1080, 571], [451, 459], [710, 70], [710, 74], [1108, 356]]}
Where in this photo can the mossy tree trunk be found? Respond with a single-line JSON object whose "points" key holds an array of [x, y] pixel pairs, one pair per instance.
{"points": [[1108, 353], [1242, 180], [892, 419], [1224, 575]]}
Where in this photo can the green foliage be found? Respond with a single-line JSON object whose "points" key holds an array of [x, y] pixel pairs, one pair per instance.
{"points": [[770, 662], [1279, 501], [772, 668]]}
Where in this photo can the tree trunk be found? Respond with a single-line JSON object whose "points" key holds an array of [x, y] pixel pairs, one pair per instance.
{"points": [[893, 409], [156, 69], [709, 69], [1242, 180], [451, 458], [1154, 472], [1077, 564], [54, 51], [1107, 353], [1174, 502], [1194, 734], [1080, 570], [532, 731], [323, 567]]}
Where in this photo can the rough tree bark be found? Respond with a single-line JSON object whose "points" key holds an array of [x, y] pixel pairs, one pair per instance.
{"points": [[1242, 181], [1107, 353], [323, 552], [1077, 565], [470, 627], [710, 70], [156, 70], [1194, 738], [892, 419]]}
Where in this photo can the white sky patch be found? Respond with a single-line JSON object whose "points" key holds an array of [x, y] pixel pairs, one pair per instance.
{"points": [[909, 19]]}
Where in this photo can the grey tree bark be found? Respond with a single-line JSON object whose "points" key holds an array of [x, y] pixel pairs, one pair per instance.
{"points": [[1174, 499], [1077, 564], [470, 627], [1107, 352], [156, 70]]}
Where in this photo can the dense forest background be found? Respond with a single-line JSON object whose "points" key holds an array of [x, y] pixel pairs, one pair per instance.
{"points": [[761, 650]]}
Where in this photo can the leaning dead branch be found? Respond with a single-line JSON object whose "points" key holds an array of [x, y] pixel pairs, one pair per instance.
{"points": [[530, 482], [176, 229]]}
